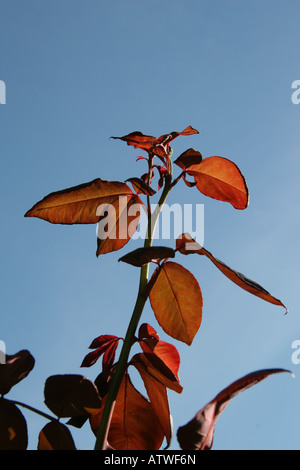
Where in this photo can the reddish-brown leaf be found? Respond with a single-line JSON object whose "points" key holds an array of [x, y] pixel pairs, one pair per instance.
{"points": [[79, 204], [155, 367], [186, 245], [176, 299], [105, 344], [134, 424], [158, 397], [142, 256], [118, 222], [158, 146], [150, 343], [198, 433], [220, 178], [188, 158], [55, 436], [141, 187], [15, 369], [138, 140]]}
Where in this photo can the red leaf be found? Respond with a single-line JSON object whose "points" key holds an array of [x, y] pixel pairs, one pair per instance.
{"points": [[186, 245], [176, 300], [102, 345], [150, 343], [79, 204], [199, 432], [159, 146], [134, 424], [221, 179]]}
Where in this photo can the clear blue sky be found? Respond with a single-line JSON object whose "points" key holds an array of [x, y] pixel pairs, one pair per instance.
{"points": [[78, 72]]}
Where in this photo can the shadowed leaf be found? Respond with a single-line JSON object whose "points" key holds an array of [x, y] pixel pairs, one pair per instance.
{"points": [[176, 300], [16, 368], [13, 427], [198, 434], [79, 204], [186, 245], [71, 395], [55, 436], [188, 158], [221, 179], [134, 424], [141, 187], [143, 256]]}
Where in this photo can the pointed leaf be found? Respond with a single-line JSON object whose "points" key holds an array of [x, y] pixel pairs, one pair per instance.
{"points": [[176, 299], [158, 146], [118, 222], [55, 436], [219, 178], [155, 367], [166, 352], [104, 343], [16, 368], [199, 432], [158, 397], [13, 427], [141, 187], [188, 158], [71, 396], [134, 424], [186, 245], [79, 204], [142, 256]]}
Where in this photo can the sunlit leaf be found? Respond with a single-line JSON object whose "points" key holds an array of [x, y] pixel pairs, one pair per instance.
{"points": [[166, 352], [118, 221], [158, 146], [134, 424], [71, 395], [142, 256], [198, 433], [176, 299], [158, 397], [55, 436], [104, 345], [186, 245], [13, 427], [15, 369], [220, 178], [79, 204], [155, 367]]}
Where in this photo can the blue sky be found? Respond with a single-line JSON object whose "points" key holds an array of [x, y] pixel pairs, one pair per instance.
{"points": [[79, 72]]}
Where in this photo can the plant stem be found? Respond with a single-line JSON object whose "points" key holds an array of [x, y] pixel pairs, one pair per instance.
{"points": [[41, 413], [132, 327]]}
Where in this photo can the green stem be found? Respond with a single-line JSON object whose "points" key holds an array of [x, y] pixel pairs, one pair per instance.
{"points": [[132, 327]]}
